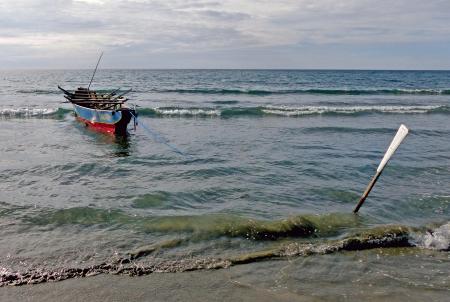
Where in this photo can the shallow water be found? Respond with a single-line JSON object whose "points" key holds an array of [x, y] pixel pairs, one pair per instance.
{"points": [[270, 158]]}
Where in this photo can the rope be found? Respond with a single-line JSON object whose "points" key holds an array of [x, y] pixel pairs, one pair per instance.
{"points": [[159, 138]]}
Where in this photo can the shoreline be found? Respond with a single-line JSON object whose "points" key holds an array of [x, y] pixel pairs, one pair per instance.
{"points": [[301, 279], [211, 285]]}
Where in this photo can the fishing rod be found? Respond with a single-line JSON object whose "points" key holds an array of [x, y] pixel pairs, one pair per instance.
{"points": [[95, 70], [398, 138]]}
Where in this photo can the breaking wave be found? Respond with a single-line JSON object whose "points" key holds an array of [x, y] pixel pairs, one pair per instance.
{"points": [[202, 227], [288, 111], [257, 92], [25, 112], [437, 239], [136, 263], [226, 112], [178, 111]]}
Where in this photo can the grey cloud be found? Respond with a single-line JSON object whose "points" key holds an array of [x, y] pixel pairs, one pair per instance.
{"points": [[199, 5], [70, 28], [224, 16]]}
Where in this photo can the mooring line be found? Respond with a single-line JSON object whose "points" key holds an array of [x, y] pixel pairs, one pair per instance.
{"points": [[159, 138]]}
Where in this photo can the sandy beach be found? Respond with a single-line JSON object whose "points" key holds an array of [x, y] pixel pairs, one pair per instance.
{"points": [[189, 286], [362, 278]]}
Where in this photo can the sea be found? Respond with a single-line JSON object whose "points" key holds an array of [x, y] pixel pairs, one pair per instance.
{"points": [[256, 169]]}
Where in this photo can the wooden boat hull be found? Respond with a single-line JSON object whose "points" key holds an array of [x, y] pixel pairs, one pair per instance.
{"points": [[106, 121]]}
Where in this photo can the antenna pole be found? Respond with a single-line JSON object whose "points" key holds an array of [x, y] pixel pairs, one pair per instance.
{"points": [[95, 70]]}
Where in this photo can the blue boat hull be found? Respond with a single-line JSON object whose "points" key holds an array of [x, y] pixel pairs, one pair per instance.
{"points": [[108, 121]]}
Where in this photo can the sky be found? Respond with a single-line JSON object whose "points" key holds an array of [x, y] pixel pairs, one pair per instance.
{"points": [[300, 34]]}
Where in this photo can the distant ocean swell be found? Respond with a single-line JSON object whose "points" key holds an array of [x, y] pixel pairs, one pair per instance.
{"points": [[55, 91], [281, 111], [262, 92], [398, 91], [39, 91]]}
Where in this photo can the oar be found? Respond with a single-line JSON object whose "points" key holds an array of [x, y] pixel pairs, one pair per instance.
{"points": [[122, 94], [398, 138], [112, 93], [65, 91]]}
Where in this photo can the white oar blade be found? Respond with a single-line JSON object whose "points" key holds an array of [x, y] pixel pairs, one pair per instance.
{"points": [[398, 138]]}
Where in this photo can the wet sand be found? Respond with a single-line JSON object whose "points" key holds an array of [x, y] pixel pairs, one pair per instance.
{"points": [[217, 285], [359, 276]]}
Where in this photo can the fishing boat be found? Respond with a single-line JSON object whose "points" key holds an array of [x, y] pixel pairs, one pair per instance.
{"points": [[102, 112], [106, 113]]}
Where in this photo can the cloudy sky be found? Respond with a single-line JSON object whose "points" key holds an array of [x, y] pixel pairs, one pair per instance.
{"points": [[394, 34]]}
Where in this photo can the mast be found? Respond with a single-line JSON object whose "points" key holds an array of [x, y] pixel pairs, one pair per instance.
{"points": [[95, 70]]}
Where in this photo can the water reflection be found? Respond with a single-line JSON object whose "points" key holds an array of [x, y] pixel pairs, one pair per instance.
{"points": [[122, 146]]}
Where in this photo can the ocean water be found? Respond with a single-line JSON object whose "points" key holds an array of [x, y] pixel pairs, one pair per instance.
{"points": [[272, 164]]}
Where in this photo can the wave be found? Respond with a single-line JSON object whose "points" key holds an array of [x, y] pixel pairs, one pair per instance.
{"points": [[381, 130], [131, 264], [437, 239], [205, 226], [262, 92], [292, 111], [39, 91], [179, 111], [209, 226], [25, 112], [225, 102], [280, 111], [349, 110]]}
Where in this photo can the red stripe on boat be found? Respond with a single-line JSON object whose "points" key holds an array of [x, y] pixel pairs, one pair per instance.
{"points": [[101, 127]]}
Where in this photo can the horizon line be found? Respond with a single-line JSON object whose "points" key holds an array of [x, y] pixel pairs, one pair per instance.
{"points": [[231, 69]]}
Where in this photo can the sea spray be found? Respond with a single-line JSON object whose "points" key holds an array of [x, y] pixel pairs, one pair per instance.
{"points": [[438, 239]]}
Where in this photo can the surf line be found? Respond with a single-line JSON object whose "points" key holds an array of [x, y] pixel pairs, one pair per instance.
{"points": [[402, 132], [158, 137]]}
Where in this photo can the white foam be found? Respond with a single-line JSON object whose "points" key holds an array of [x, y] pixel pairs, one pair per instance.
{"points": [[27, 112], [422, 91], [187, 112], [438, 239], [306, 110]]}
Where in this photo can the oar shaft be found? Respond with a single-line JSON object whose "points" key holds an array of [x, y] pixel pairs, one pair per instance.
{"points": [[398, 138], [122, 94], [65, 91], [112, 93], [367, 191]]}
